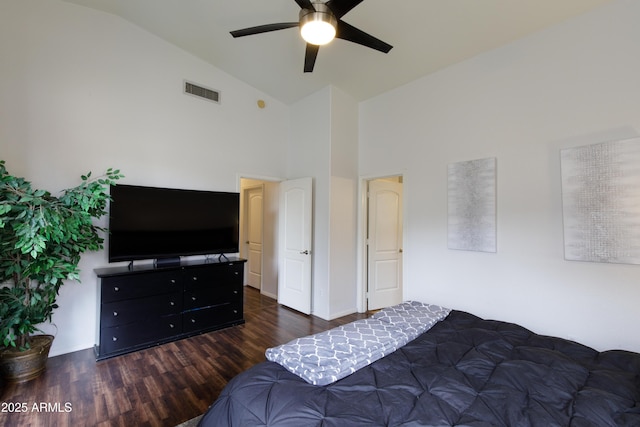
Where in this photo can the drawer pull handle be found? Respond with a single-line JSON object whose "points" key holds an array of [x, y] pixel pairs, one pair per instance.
{"points": [[116, 289], [193, 298], [193, 320], [235, 272], [115, 339], [173, 280], [195, 278], [172, 303], [115, 314], [171, 325], [235, 311], [235, 292]]}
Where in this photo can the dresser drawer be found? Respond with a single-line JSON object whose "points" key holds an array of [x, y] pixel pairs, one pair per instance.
{"points": [[220, 275], [211, 317], [150, 331], [233, 274], [211, 294], [134, 286], [140, 309]]}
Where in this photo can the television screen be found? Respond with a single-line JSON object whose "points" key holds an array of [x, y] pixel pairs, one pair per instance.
{"points": [[156, 223]]}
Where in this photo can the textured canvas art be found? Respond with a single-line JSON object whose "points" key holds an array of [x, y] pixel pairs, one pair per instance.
{"points": [[601, 202], [472, 205]]}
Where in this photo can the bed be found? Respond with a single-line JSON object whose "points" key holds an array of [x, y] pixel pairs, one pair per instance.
{"points": [[458, 370]]}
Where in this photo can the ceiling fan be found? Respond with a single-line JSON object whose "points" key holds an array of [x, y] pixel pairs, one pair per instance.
{"points": [[320, 23]]}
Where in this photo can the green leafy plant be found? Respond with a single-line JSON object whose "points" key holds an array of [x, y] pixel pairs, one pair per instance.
{"points": [[42, 238]]}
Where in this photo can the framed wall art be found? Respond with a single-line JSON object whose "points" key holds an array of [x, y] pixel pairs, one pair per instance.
{"points": [[601, 202], [472, 205]]}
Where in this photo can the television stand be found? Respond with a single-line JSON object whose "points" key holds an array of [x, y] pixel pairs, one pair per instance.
{"points": [[145, 305]]}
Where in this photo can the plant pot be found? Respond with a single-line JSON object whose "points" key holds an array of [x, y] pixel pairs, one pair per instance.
{"points": [[21, 366]]}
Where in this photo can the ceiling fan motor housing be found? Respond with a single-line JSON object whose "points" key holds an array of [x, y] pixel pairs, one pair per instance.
{"points": [[321, 19]]}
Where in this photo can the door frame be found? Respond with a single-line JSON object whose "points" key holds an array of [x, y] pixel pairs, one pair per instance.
{"points": [[239, 178], [244, 243], [361, 256]]}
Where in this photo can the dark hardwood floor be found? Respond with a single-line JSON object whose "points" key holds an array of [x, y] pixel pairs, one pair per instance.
{"points": [[160, 386]]}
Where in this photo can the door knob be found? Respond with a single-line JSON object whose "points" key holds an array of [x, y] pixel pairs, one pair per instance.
{"points": [[305, 252]]}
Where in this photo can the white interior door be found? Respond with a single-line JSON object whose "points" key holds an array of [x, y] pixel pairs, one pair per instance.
{"points": [[384, 249], [254, 224], [294, 275]]}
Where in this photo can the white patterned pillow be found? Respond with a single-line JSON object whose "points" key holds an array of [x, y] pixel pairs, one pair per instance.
{"points": [[412, 316], [328, 356]]}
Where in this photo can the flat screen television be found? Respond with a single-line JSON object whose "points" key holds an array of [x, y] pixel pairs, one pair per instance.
{"points": [[164, 223]]}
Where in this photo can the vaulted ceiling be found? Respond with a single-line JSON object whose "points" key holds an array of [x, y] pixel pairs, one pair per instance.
{"points": [[427, 35]]}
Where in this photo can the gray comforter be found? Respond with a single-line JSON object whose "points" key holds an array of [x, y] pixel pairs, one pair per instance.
{"points": [[464, 371]]}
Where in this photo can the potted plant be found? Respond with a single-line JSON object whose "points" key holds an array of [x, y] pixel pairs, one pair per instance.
{"points": [[41, 240]]}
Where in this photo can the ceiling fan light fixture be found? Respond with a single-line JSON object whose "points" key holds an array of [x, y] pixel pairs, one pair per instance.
{"points": [[318, 26]]}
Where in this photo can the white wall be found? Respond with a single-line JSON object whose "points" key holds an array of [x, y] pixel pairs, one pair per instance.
{"points": [[343, 206], [309, 155], [83, 90], [574, 84], [323, 145]]}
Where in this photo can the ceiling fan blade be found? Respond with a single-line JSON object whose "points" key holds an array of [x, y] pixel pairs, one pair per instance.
{"points": [[342, 7], [305, 4], [352, 34], [310, 57], [263, 29]]}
